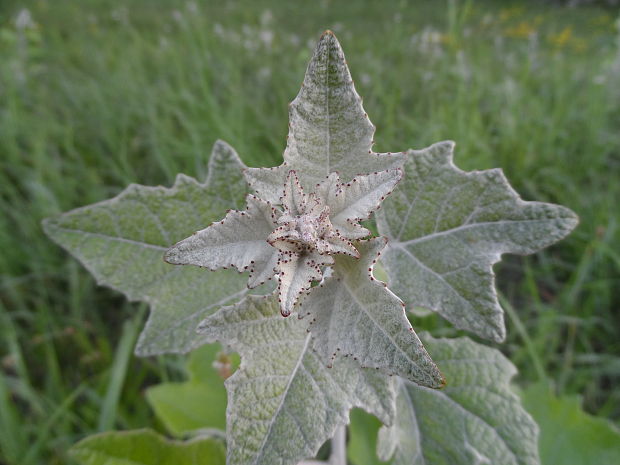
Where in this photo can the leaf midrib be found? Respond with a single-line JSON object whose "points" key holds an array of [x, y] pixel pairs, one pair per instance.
{"points": [[297, 366], [462, 227], [109, 237]]}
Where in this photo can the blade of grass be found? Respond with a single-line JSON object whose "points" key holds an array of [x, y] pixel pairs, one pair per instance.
{"points": [[122, 355]]}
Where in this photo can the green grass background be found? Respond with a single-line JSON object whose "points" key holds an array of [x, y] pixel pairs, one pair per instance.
{"points": [[97, 94]]}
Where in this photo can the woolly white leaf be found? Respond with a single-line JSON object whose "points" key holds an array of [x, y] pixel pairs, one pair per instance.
{"points": [[294, 200], [296, 273], [121, 241], [239, 241], [475, 419], [283, 402], [353, 314], [357, 199], [328, 130], [448, 227]]}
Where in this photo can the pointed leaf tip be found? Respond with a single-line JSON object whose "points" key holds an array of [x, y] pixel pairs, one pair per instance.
{"points": [[281, 380], [352, 314], [477, 417], [135, 229], [329, 131]]}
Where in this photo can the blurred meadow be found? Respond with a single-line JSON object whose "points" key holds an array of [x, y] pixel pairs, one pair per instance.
{"points": [[97, 94]]}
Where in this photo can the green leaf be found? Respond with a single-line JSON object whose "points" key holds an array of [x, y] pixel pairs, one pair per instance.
{"points": [[329, 131], [362, 444], [568, 435], [353, 314], [283, 402], [198, 403], [448, 227], [476, 418], [145, 447], [122, 241]]}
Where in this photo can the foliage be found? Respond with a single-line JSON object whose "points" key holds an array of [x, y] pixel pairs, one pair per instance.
{"points": [[145, 447], [295, 385], [121, 241], [181, 406], [446, 230], [92, 100], [568, 435], [475, 419]]}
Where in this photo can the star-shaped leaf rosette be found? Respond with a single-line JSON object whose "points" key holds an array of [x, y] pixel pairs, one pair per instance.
{"points": [[304, 219], [294, 240], [300, 376]]}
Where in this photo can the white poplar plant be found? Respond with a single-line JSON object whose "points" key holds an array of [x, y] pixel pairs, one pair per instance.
{"points": [[331, 336]]}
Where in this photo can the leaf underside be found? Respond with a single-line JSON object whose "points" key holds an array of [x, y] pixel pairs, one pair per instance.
{"points": [[353, 314], [329, 130], [475, 419], [121, 241], [448, 227], [283, 402]]}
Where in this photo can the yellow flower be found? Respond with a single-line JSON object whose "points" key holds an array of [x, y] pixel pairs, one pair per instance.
{"points": [[523, 30], [562, 38]]}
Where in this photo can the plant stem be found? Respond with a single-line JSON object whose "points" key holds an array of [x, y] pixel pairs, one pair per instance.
{"points": [[338, 455], [339, 447]]}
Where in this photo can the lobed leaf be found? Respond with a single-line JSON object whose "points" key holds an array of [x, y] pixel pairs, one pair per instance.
{"points": [[238, 241], [475, 419], [328, 129], [448, 227], [145, 447], [121, 241], [283, 402], [296, 273], [196, 404], [356, 200], [353, 314]]}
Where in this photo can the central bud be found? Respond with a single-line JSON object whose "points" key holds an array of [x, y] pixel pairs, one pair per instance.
{"points": [[308, 231], [312, 228], [307, 227]]}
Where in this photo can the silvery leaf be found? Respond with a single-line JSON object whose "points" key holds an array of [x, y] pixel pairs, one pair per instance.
{"points": [[329, 131], [238, 241], [475, 419], [448, 227], [357, 199], [296, 273], [283, 402], [121, 241], [353, 314]]}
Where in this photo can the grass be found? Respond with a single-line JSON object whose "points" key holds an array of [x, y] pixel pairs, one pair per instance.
{"points": [[97, 94]]}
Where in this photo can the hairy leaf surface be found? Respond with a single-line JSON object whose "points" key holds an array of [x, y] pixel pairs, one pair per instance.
{"points": [[475, 419], [145, 447], [353, 314], [238, 241], [328, 129], [448, 227], [283, 402], [121, 241], [354, 201]]}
